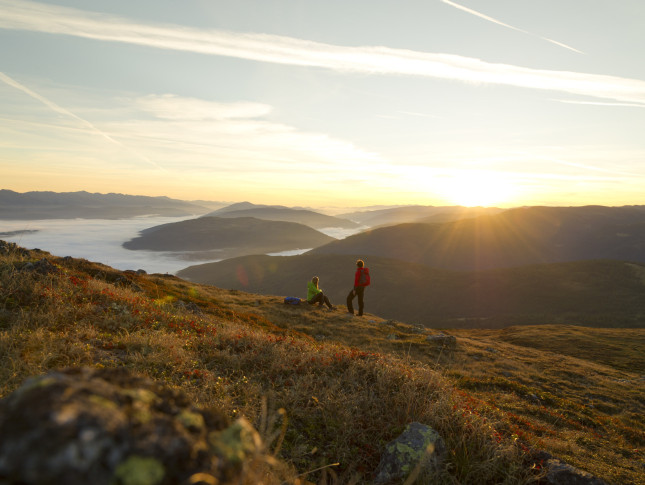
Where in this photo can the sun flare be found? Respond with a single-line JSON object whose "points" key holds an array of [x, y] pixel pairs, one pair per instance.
{"points": [[477, 189]]}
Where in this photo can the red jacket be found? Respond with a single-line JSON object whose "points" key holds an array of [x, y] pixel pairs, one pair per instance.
{"points": [[357, 277]]}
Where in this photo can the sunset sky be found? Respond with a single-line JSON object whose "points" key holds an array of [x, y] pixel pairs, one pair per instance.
{"points": [[326, 103]]}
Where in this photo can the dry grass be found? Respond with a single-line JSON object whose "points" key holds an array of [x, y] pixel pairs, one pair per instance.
{"points": [[347, 386]]}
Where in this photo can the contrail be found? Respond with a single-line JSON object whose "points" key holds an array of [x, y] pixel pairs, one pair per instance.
{"points": [[58, 109], [495, 21], [598, 103]]}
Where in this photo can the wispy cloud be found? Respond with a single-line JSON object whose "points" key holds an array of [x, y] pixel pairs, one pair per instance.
{"points": [[189, 133], [498, 22], [32, 16], [169, 106], [58, 109]]}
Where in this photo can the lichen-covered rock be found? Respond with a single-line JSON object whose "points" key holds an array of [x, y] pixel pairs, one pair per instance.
{"points": [[107, 426], [418, 446]]}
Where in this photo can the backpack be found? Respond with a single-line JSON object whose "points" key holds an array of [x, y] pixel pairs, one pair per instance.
{"points": [[364, 278], [291, 300]]}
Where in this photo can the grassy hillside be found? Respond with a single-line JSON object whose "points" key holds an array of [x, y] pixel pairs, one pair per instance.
{"points": [[590, 293], [215, 237], [347, 386], [515, 237]]}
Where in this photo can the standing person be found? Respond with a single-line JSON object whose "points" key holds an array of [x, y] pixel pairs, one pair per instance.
{"points": [[316, 295], [361, 280]]}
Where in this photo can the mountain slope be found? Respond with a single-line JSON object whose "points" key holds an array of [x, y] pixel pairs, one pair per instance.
{"points": [[346, 386], [84, 205], [593, 293], [515, 237], [280, 213], [221, 238]]}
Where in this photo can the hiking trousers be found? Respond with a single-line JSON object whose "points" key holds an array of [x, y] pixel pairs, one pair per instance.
{"points": [[320, 298], [360, 291]]}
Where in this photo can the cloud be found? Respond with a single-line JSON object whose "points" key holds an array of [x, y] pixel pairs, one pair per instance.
{"points": [[224, 135], [495, 21], [58, 109], [33, 16], [169, 106]]}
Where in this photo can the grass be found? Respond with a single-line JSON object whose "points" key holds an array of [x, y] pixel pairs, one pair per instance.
{"points": [[343, 386]]}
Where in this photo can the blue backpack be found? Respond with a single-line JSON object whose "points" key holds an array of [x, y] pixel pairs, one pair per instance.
{"points": [[291, 300]]}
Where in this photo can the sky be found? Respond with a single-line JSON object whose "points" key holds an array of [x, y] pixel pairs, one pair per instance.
{"points": [[326, 103]]}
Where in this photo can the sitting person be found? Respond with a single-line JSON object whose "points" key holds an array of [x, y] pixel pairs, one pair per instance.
{"points": [[316, 295]]}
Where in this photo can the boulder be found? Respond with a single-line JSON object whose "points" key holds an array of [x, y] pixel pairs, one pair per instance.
{"points": [[560, 473], [418, 449], [107, 426]]}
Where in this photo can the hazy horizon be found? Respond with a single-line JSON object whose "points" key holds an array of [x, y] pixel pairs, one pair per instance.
{"points": [[326, 104]]}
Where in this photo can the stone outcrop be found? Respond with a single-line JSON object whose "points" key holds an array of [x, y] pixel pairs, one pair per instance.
{"points": [[107, 426]]}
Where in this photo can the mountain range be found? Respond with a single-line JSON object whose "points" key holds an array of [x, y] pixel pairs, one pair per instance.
{"points": [[85, 205], [582, 265], [515, 237]]}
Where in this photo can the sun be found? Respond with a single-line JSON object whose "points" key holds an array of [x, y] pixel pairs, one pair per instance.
{"points": [[473, 189]]}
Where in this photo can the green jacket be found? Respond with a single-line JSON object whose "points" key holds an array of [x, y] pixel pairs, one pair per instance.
{"points": [[312, 291]]}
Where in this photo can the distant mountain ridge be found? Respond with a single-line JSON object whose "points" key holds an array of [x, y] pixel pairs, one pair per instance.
{"points": [[417, 213], [220, 238], [281, 213], [515, 237], [85, 205]]}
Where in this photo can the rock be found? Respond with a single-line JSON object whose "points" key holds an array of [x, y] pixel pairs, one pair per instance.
{"points": [[124, 282], [43, 267], [560, 473], [442, 340], [418, 446], [192, 307], [534, 399], [9, 248], [107, 426]]}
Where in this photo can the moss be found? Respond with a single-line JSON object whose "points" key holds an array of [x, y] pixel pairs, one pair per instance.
{"points": [[138, 470], [191, 420], [103, 402], [236, 442], [143, 395]]}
